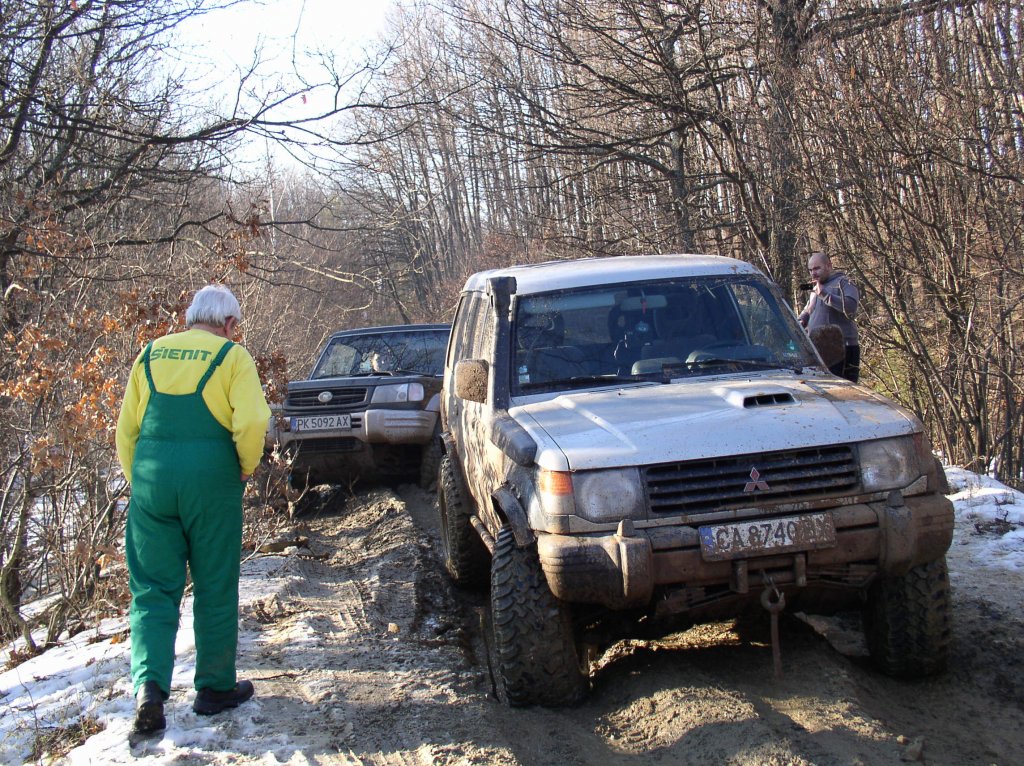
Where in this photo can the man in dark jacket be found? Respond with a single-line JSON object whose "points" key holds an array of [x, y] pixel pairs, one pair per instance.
{"points": [[833, 300]]}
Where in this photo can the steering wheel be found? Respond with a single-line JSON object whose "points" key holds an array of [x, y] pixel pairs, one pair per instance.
{"points": [[707, 351]]}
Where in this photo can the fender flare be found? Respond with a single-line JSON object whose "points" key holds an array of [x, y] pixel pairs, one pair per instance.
{"points": [[448, 449], [504, 501], [508, 507]]}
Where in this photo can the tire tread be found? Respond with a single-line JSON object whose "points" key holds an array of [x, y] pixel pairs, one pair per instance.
{"points": [[536, 655], [907, 621], [464, 555]]}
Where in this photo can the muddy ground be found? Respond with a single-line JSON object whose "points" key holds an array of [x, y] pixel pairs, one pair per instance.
{"points": [[366, 654]]}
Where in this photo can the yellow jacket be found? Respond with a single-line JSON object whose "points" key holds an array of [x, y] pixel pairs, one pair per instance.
{"points": [[233, 394]]}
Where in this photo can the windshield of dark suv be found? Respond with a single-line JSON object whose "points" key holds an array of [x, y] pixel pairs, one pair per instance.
{"points": [[384, 353], [653, 331]]}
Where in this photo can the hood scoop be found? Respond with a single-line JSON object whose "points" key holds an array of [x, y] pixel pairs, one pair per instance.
{"points": [[765, 400], [747, 398]]}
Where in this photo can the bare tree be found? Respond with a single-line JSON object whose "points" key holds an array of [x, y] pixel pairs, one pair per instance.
{"points": [[119, 197], [755, 129], [922, 184]]}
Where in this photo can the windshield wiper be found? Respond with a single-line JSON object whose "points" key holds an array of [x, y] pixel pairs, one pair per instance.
{"points": [[425, 373], [721, 362], [380, 373], [583, 380]]}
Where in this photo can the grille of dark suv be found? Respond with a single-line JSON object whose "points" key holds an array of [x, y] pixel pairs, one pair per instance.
{"points": [[335, 444], [341, 398], [719, 484]]}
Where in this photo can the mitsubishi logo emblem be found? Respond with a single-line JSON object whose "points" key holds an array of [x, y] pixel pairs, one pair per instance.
{"points": [[755, 482]]}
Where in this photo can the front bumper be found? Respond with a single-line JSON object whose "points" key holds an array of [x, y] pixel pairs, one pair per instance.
{"points": [[379, 426], [624, 570]]}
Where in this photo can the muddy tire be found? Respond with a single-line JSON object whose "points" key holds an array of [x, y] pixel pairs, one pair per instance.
{"points": [[430, 462], [534, 651], [907, 621], [462, 551]]}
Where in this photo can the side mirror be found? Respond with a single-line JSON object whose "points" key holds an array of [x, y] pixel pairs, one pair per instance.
{"points": [[829, 342], [471, 380]]}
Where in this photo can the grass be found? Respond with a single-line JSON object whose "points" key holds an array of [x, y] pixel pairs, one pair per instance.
{"points": [[55, 742]]}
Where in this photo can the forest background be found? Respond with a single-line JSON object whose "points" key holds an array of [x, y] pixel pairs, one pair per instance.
{"points": [[475, 134]]}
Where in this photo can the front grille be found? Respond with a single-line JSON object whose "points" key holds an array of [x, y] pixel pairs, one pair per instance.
{"points": [[341, 398], [720, 484]]}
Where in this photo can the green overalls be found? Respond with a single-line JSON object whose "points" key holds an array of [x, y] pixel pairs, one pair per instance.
{"points": [[186, 506]]}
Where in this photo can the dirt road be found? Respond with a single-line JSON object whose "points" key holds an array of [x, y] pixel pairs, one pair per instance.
{"points": [[367, 655]]}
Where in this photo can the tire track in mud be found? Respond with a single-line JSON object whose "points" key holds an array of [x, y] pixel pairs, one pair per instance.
{"points": [[366, 654], [353, 655]]}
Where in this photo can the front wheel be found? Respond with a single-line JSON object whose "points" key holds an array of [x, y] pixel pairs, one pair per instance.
{"points": [[907, 621], [462, 550], [534, 645]]}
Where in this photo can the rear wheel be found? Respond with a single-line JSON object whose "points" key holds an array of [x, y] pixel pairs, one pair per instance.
{"points": [[907, 621], [535, 654], [462, 550]]}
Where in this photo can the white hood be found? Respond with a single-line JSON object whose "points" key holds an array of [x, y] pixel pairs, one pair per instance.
{"points": [[705, 418]]}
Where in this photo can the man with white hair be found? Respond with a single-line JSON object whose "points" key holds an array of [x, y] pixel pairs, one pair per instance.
{"points": [[189, 435], [833, 301]]}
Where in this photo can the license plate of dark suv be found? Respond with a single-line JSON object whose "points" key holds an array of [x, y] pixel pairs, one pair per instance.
{"points": [[321, 423]]}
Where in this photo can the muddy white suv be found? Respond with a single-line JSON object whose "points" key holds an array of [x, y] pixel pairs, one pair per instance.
{"points": [[369, 407], [638, 443]]}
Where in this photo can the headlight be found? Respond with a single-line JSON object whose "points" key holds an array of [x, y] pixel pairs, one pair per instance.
{"points": [[610, 495], [405, 392], [889, 463]]}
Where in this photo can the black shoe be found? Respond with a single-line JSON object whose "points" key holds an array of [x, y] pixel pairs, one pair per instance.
{"points": [[149, 710], [209, 702]]}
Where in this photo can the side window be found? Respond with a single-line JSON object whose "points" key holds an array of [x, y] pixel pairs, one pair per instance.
{"points": [[461, 330], [763, 323], [472, 330], [484, 346], [479, 340], [724, 318]]}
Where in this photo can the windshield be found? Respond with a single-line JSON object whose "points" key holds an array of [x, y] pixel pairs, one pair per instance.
{"points": [[653, 331], [384, 353]]}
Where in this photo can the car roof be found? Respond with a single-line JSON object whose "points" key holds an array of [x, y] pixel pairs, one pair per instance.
{"points": [[392, 328], [584, 272]]}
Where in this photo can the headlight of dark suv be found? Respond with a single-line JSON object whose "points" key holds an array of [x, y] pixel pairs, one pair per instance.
{"points": [[402, 392]]}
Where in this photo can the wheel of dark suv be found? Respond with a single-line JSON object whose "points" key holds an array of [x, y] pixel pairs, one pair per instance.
{"points": [[536, 662], [430, 461], [464, 554], [907, 621]]}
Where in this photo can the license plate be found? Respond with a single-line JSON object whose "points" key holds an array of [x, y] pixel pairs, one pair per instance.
{"points": [[790, 533], [321, 422]]}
